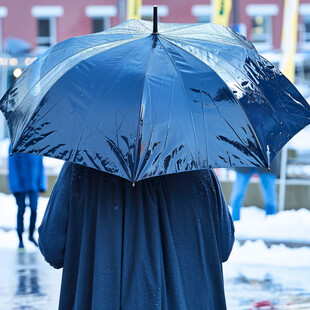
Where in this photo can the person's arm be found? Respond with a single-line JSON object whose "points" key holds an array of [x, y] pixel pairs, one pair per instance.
{"points": [[227, 229], [53, 229]]}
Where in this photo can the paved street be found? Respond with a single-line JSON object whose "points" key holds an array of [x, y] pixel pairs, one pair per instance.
{"points": [[27, 282]]}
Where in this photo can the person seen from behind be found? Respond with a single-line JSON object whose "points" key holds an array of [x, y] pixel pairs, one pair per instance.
{"points": [[26, 180], [157, 245]]}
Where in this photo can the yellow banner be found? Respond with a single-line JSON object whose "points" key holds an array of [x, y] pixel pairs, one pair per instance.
{"points": [[133, 9], [289, 38], [221, 12]]}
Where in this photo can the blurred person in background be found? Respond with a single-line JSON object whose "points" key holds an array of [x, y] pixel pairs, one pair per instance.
{"points": [[268, 185], [26, 180]]}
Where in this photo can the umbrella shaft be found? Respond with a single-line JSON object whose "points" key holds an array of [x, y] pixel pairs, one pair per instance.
{"points": [[155, 27]]}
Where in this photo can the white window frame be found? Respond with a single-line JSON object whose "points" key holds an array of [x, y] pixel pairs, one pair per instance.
{"points": [[50, 12], [147, 11], [265, 10], [304, 11], [202, 11], [101, 11]]}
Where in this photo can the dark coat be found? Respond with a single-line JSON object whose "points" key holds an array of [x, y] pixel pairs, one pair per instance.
{"points": [[158, 245], [26, 173]]}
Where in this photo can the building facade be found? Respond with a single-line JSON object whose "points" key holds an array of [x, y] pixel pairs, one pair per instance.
{"points": [[43, 23], [46, 22]]}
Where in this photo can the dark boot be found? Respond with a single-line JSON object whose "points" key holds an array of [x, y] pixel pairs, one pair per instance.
{"points": [[31, 238], [21, 243]]}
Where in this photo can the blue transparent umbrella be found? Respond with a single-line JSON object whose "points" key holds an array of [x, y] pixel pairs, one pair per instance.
{"points": [[138, 102]]}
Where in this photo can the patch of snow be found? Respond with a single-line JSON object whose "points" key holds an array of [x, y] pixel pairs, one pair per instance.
{"points": [[257, 253], [289, 225]]}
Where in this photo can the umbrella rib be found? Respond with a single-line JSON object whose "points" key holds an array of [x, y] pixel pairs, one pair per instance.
{"points": [[202, 48], [153, 127], [98, 95], [254, 132], [248, 78], [143, 24], [233, 128], [46, 74], [140, 104], [188, 104], [232, 33], [185, 41], [203, 39], [247, 43]]}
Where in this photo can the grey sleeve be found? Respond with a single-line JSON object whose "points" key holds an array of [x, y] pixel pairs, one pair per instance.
{"points": [[53, 229]]}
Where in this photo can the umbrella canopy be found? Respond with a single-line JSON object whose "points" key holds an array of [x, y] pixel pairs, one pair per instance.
{"points": [[137, 102]]}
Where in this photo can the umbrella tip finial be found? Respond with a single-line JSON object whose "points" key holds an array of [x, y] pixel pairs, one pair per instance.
{"points": [[11, 154], [155, 20]]}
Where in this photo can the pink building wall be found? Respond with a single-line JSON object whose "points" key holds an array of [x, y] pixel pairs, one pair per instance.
{"points": [[20, 23]]}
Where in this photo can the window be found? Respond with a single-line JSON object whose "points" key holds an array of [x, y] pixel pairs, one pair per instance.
{"points": [[44, 32], [101, 16], [306, 29], [98, 24], [146, 12], [304, 11], [46, 25], [261, 24], [203, 13], [261, 29]]}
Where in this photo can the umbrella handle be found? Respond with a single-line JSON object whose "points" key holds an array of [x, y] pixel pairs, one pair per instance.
{"points": [[155, 20]]}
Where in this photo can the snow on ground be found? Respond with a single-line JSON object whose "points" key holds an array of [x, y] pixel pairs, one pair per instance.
{"points": [[257, 253], [289, 225]]}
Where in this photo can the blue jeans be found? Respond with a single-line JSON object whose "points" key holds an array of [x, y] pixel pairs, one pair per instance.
{"points": [[268, 185], [21, 203]]}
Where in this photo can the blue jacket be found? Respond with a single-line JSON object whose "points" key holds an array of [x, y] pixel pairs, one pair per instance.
{"points": [[26, 173], [157, 245]]}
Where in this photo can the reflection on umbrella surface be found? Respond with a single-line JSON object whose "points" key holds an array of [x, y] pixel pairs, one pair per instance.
{"points": [[138, 103]]}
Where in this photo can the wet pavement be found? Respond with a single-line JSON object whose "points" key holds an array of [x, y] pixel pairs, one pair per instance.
{"points": [[281, 287], [27, 282]]}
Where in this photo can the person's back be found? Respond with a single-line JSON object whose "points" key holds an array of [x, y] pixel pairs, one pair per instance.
{"points": [[157, 245]]}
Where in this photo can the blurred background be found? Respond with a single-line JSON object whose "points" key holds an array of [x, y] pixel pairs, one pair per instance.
{"points": [[270, 264]]}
